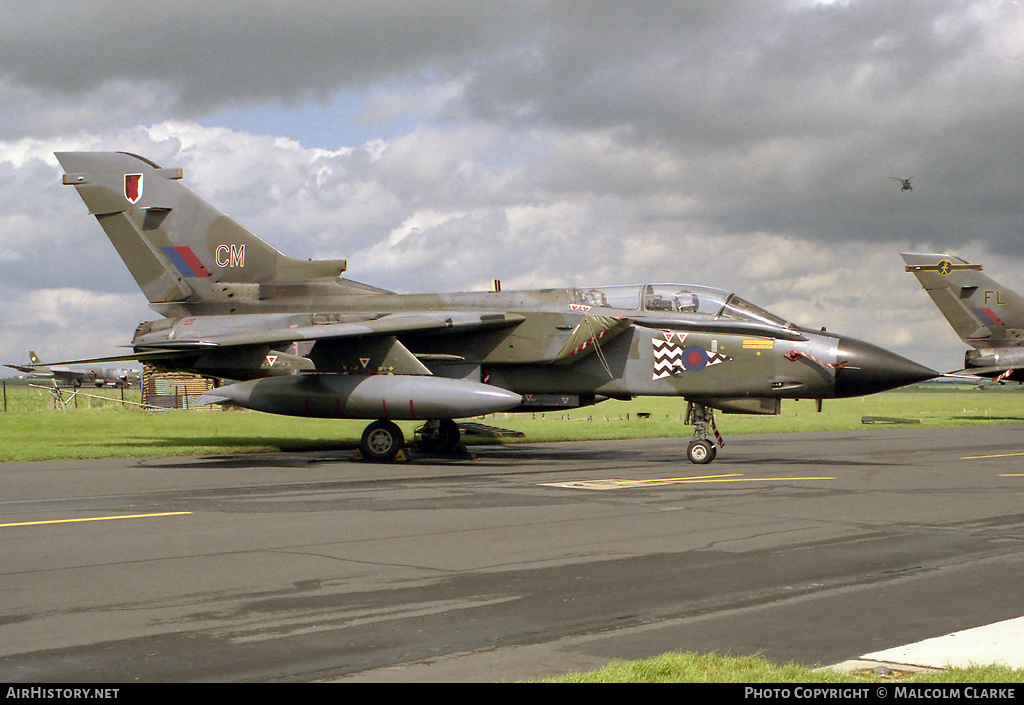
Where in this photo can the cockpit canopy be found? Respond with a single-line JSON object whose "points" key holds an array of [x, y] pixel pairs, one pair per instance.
{"points": [[679, 298]]}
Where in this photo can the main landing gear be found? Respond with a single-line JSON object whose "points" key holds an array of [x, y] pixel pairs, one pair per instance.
{"points": [[703, 447], [383, 440], [439, 436]]}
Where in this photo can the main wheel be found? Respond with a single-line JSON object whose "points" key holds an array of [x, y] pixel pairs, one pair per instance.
{"points": [[440, 436], [701, 452], [381, 441]]}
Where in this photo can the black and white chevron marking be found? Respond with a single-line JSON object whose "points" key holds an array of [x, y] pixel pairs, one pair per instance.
{"points": [[668, 359], [672, 359]]}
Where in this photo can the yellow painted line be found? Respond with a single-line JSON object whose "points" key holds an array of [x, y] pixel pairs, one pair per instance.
{"points": [[1011, 474], [654, 481], [72, 521], [614, 484], [761, 479], [983, 457]]}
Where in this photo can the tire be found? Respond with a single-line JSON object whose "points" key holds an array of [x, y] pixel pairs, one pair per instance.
{"points": [[449, 436], [441, 436], [701, 452], [381, 441]]}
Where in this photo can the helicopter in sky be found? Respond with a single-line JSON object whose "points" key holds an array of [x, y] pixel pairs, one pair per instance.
{"points": [[905, 182]]}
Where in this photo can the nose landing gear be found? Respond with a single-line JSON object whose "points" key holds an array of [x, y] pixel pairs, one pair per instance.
{"points": [[706, 440]]}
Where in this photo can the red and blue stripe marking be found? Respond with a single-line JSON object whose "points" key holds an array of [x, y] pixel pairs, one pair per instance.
{"points": [[988, 316], [186, 262]]}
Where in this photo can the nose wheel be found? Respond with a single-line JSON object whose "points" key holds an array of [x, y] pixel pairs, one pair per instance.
{"points": [[701, 452], [706, 440]]}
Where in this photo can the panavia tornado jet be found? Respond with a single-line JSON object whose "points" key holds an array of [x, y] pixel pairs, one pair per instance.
{"points": [[986, 315], [235, 308]]}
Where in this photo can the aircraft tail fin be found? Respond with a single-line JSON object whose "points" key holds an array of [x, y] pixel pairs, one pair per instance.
{"points": [[178, 247], [979, 309], [34, 365]]}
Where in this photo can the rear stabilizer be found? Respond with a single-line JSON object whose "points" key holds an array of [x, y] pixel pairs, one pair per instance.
{"points": [[178, 247], [980, 310]]}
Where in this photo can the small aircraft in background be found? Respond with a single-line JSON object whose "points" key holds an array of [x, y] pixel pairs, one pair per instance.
{"points": [[905, 183], [234, 306], [78, 376]]}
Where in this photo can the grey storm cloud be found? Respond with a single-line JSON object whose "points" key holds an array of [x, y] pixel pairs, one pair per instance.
{"points": [[787, 117], [697, 70], [229, 53]]}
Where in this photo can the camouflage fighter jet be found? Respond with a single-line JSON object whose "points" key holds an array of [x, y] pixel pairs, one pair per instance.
{"points": [[77, 376], [986, 315], [233, 305]]}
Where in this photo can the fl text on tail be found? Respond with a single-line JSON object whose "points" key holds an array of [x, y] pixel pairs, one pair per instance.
{"points": [[986, 315]]}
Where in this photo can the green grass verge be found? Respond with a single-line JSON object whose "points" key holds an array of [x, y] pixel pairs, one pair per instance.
{"points": [[32, 429], [713, 668]]}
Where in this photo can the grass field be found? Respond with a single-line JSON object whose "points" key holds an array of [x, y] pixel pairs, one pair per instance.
{"points": [[713, 668], [32, 429]]}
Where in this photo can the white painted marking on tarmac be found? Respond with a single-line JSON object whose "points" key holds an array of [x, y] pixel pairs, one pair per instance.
{"points": [[999, 643]]}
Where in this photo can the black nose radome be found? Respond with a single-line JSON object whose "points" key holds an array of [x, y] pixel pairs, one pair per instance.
{"points": [[863, 368]]}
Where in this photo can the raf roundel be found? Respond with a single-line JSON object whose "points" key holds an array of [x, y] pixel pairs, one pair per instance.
{"points": [[694, 358]]}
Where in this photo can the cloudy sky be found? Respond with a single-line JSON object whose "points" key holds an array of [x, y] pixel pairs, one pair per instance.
{"points": [[439, 144]]}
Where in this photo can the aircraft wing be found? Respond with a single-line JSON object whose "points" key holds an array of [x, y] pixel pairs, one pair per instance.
{"points": [[127, 357], [391, 324], [28, 369], [49, 371], [437, 322], [69, 376]]}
